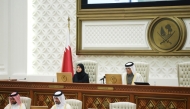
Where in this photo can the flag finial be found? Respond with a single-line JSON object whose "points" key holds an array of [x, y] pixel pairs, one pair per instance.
{"points": [[69, 23]]}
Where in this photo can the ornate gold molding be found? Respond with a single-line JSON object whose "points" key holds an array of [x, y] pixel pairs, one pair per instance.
{"points": [[175, 52], [56, 86], [179, 11], [105, 88], [175, 13]]}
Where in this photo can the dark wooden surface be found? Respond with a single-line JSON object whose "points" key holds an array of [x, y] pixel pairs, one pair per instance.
{"points": [[100, 95]]}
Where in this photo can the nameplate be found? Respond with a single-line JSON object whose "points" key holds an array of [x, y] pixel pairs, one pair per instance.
{"points": [[104, 88], [55, 86]]}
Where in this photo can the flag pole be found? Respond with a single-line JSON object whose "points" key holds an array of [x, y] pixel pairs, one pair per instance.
{"points": [[67, 65], [69, 24]]}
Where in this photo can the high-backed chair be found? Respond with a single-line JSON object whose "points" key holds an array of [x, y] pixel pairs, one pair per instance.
{"points": [[122, 105], [26, 101], [184, 74], [91, 68], [74, 103], [143, 69]]}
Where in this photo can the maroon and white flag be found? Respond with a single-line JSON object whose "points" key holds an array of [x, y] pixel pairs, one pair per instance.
{"points": [[67, 65]]}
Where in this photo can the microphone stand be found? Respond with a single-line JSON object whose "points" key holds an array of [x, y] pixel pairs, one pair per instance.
{"points": [[103, 79]]}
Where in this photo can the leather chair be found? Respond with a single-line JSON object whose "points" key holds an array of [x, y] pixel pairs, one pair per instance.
{"points": [[143, 69], [184, 74], [91, 68], [122, 105], [74, 103], [26, 101]]}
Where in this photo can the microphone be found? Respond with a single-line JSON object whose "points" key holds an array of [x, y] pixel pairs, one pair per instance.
{"points": [[103, 78]]}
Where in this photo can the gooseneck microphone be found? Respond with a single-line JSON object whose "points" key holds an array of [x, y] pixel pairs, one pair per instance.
{"points": [[103, 77]]}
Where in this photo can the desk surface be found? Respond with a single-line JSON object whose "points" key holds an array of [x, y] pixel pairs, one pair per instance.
{"points": [[100, 95]]}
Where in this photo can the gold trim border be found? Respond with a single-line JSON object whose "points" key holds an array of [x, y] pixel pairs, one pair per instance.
{"points": [[56, 86], [105, 88], [80, 51], [138, 11]]}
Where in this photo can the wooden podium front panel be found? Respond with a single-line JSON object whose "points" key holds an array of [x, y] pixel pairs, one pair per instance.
{"points": [[99, 101], [161, 102], [100, 95]]}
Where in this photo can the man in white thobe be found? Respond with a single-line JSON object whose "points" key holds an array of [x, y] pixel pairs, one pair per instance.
{"points": [[59, 100], [15, 102], [131, 75]]}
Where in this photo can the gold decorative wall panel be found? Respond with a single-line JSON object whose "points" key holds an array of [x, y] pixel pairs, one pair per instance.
{"points": [[122, 39], [135, 12]]}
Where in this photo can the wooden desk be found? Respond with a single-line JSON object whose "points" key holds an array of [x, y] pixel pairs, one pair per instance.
{"points": [[100, 95]]}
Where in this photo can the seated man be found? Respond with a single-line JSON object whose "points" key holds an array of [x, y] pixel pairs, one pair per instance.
{"points": [[131, 75], [59, 100], [15, 102]]}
